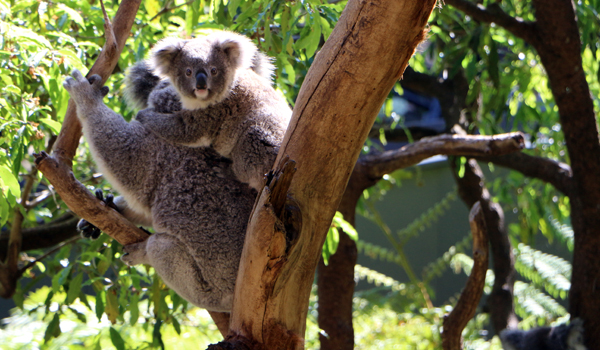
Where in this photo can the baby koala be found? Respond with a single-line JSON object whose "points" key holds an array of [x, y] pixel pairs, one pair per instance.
{"points": [[223, 84]]}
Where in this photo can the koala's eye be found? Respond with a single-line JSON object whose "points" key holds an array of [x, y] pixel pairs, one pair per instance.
{"points": [[188, 72], [213, 71]]}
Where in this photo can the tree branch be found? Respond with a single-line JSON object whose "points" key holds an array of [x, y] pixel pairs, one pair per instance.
{"points": [[556, 173], [58, 167], [43, 236], [472, 189], [458, 145], [494, 14], [455, 322]]}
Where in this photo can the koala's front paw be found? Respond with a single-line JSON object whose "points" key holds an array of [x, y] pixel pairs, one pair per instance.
{"points": [[143, 115], [86, 228], [85, 92], [134, 253]]}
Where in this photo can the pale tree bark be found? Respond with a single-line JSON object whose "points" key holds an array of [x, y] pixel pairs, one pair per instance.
{"points": [[324, 139]]}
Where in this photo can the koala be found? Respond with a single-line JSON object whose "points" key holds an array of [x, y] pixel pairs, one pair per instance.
{"points": [[190, 196], [214, 91], [563, 337]]}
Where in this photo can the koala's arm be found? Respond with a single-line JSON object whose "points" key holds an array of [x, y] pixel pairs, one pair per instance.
{"points": [[193, 128], [121, 149], [254, 154], [164, 98]]}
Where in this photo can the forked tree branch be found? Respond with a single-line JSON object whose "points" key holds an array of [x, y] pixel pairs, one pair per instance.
{"points": [[57, 168]]}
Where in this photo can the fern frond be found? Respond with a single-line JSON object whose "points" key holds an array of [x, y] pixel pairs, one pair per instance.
{"points": [[532, 302], [465, 263], [429, 217], [544, 270], [437, 267], [361, 273], [374, 251], [564, 232]]}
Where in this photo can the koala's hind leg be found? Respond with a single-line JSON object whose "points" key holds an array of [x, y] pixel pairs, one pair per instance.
{"points": [[176, 266]]}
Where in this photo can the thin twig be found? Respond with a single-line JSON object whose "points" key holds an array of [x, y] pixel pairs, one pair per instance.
{"points": [[45, 255]]}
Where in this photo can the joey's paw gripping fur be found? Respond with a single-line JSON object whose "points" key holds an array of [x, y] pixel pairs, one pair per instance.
{"points": [[86, 228]]}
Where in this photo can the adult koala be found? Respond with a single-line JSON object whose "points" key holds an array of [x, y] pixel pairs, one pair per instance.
{"points": [[190, 196]]}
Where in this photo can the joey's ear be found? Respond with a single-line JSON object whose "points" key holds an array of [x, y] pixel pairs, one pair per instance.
{"points": [[233, 50], [239, 49], [164, 53]]}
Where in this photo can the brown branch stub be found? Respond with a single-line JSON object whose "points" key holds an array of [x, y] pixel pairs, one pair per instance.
{"points": [[458, 145], [455, 322]]}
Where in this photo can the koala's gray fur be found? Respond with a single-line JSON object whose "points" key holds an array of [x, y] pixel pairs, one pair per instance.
{"points": [[563, 337], [189, 195], [224, 85]]}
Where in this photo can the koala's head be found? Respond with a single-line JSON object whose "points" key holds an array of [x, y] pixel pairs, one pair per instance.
{"points": [[203, 70]]}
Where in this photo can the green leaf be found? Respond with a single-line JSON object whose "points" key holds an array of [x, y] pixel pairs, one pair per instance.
{"points": [[12, 89], [74, 288], [53, 329], [116, 339], [74, 15], [134, 309], [8, 182], [99, 305], [176, 326], [112, 305], [493, 59], [52, 124]]}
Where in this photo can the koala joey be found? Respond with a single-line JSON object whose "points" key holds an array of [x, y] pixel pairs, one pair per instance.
{"points": [[214, 91], [563, 337], [190, 196]]}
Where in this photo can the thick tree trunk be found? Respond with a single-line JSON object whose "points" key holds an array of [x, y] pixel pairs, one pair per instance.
{"points": [[324, 139], [559, 48], [335, 282]]}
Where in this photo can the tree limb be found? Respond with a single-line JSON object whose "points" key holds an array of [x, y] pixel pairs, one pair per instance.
{"points": [[43, 236], [472, 189], [556, 173], [494, 14], [58, 167], [455, 322], [458, 145]]}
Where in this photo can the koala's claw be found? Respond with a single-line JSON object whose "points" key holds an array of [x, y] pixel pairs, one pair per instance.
{"points": [[82, 89], [86, 228]]}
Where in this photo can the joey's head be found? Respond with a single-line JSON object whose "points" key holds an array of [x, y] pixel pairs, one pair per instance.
{"points": [[205, 69]]}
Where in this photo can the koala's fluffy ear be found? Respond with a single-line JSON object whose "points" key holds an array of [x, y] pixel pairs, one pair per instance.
{"points": [[238, 48], [163, 54]]}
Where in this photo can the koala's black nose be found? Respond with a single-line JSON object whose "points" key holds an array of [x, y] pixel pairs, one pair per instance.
{"points": [[201, 81]]}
